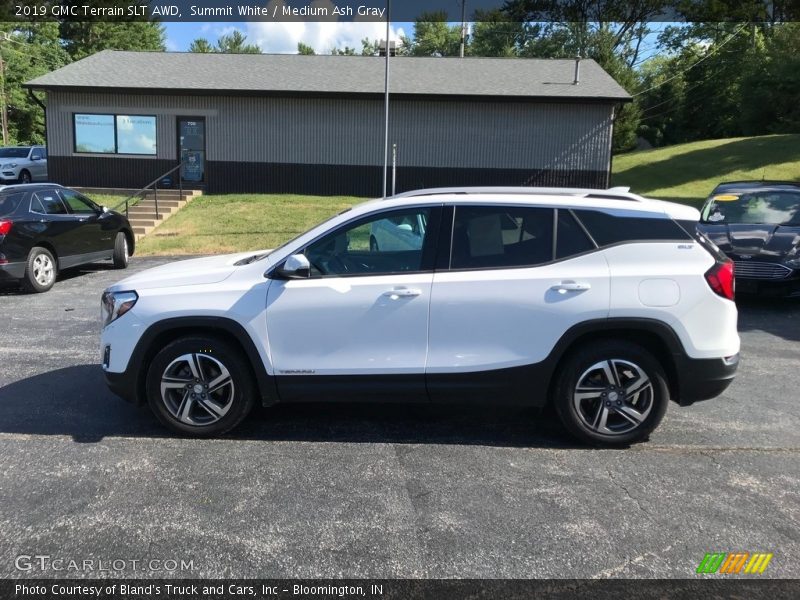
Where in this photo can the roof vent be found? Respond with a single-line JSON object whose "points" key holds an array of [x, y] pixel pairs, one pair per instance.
{"points": [[392, 48], [577, 71]]}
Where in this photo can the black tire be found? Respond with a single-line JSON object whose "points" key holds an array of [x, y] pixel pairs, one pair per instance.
{"points": [[40, 272], [25, 176], [237, 399], [633, 404], [121, 251], [373, 244]]}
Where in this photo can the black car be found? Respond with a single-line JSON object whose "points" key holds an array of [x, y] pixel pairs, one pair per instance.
{"points": [[46, 227], [757, 224]]}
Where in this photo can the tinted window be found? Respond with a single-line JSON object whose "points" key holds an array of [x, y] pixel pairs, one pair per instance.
{"points": [[570, 238], [77, 203], [607, 229], [391, 242], [44, 153], [501, 236], [10, 203], [50, 203]]}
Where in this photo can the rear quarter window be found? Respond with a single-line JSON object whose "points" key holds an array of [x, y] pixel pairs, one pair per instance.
{"points": [[10, 203], [608, 229]]}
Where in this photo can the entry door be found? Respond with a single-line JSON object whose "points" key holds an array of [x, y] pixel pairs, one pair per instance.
{"points": [[358, 326], [192, 149]]}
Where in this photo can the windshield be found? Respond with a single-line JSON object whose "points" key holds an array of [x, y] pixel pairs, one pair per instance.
{"points": [[14, 152], [765, 207]]}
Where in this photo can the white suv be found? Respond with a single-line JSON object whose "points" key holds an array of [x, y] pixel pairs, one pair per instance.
{"points": [[601, 302]]}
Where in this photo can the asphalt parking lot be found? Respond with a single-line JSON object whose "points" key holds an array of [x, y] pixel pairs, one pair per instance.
{"points": [[384, 491]]}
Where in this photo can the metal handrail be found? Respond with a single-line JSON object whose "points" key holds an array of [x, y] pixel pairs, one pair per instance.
{"points": [[153, 184]]}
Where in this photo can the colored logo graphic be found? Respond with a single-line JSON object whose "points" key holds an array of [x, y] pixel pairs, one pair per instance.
{"points": [[735, 563]]}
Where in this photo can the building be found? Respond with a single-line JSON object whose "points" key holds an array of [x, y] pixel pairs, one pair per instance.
{"points": [[315, 124]]}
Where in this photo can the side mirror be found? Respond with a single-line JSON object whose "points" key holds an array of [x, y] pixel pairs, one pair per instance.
{"points": [[294, 267], [36, 157]]}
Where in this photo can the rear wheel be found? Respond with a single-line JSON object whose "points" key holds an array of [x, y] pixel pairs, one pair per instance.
{"points": [[611, 393], [200, 386], [40, 272], [121, 251]]}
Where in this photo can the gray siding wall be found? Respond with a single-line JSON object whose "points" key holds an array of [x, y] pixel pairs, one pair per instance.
{"points": [[446, 134]]}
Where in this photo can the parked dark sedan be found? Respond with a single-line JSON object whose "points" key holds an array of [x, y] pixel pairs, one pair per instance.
{"points": [[46, 227], [757, 224]]}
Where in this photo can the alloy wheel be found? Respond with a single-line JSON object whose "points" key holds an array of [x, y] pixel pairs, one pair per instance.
{"points": [[43, 270], [197, 389], [613, 397]]}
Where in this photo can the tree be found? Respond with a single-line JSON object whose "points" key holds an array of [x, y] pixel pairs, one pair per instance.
{"points": [[305, 49], [31, 50], [81, 39], [495, 34], [433, 36], [236, 43], [201, 46]]}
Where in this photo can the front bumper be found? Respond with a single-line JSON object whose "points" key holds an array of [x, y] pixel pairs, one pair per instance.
{"points": [[703, 379], [12, 271], [9, 176], [787, 287]]}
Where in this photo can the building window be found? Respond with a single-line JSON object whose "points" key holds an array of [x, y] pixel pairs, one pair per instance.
{"points": [[115, 134]]}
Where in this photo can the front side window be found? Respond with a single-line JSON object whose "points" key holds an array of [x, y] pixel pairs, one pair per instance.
{"points": [[486, 237], [77, 204], [115, 134], [36, 154], [49, 203], [391, 242]]}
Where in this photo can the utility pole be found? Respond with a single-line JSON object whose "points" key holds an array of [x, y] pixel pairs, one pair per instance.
{"points": [[386, 99], [463, 27], [3, 103]]}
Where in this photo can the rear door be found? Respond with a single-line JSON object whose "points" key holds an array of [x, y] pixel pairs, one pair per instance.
{"points": [[38, 166], [517, 278]]}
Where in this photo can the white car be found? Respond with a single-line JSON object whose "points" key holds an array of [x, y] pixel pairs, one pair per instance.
{"points": [[605, 304]]}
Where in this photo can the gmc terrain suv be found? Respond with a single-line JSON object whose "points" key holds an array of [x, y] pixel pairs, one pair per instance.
{"points": [[601, 302]]}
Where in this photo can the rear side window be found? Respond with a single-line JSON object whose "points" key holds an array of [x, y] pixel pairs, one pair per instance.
{"points": [[48, 203], [487, 237], [10, 203], [571, 239], [608, 229]]}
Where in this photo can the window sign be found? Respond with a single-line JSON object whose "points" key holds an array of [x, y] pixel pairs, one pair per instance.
{"points": [[115, 134], [136, 135], [95, 133]]}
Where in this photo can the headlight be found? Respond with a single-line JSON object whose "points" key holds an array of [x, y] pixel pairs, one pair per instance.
{"points": [[794, 263], [9, 166], [115, 304]]}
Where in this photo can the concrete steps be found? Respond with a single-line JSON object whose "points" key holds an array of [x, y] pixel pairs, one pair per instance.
{"points": [[143, 217]]}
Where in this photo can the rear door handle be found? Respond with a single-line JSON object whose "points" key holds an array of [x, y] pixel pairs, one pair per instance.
{"points": [[571, 286], [403, 292]]}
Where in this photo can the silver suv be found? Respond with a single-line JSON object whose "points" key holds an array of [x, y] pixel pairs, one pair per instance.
{"points": [[23, 164]]}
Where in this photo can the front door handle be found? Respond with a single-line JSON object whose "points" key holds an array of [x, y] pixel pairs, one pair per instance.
{"points": [[402, 293], [571, 286]]}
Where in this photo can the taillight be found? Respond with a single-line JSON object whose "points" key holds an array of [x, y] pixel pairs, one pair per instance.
{"points": [[720, 279], [5, 226]]}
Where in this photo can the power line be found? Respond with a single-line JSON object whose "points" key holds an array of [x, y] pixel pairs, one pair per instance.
{"points": [[709, 55]]}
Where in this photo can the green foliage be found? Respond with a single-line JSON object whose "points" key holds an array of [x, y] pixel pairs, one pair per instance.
{"points": [[305, 49], [236, 43], [201, 46], [31, 50], [87, 38], [433, 36]]}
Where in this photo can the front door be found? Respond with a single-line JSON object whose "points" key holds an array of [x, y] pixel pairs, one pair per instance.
{"points": [[192, 149], [358, 325]]}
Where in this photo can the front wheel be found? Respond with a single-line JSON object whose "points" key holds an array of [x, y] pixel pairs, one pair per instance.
{"points": [[121, 251], [611, 394], [199, 386], [25, 177]]}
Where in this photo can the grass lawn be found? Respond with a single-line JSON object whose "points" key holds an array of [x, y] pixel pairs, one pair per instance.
{"points": [[688, 172], [238, 223]]}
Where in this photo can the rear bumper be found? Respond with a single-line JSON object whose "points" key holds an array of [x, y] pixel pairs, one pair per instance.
{"points": [[9, 271], [703, 379]]}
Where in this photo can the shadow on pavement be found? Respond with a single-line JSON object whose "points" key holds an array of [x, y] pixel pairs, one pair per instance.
{"points": [[776, 316], [12, 288], [74, 401]]}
